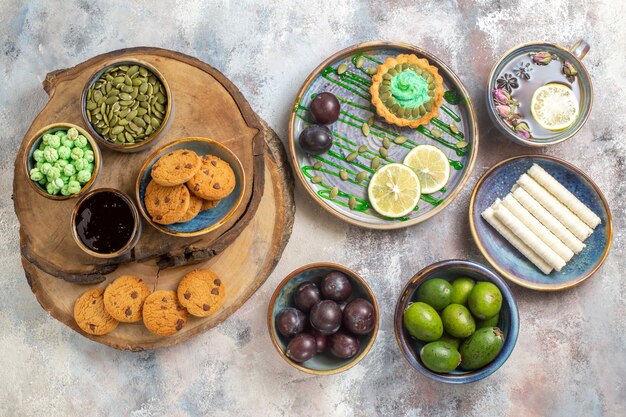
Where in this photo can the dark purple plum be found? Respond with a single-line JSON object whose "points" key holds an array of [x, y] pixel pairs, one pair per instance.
{"points": [[359, 316], [316, 139], [336, 286], [343, 345], [306, 296], [321, 340], [325, 108], [302, 347], [290, 321], [325, 317]]}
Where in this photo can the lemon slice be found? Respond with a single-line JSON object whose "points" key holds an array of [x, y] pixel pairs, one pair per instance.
{"points": [[394, 190], [554, 106], [431, 166]]}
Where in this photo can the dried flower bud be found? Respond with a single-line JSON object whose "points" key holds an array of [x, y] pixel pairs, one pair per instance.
{"points": [[542, 58]]}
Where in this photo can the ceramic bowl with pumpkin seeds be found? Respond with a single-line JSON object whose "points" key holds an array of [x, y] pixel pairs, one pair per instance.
{"points": [[127, 105]]}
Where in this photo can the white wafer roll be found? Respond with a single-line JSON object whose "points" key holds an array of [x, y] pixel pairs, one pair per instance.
{"points": [[490, 217], [527, 236], [537, 228], [555, 207], [548, 220], [565, 196]]}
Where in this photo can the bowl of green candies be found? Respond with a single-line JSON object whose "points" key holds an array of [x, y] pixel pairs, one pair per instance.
{"points": [[62, 161]]}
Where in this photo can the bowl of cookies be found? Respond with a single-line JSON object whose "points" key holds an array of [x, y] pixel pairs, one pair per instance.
{"points": [[190, 187]]}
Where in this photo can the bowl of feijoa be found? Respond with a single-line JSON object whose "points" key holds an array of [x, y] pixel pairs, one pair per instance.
{"points": [[456, 321], [323, 318]]}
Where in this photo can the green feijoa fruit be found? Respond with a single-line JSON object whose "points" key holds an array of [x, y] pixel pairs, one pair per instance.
{"points": [[490, 322], [458, 321], [452, 341], [435, 292], [485, 300], [461, 288], [481, 348], [423, 322], [440, 357]]}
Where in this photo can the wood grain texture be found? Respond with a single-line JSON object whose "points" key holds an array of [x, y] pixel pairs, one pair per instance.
{"points": [[205, 104], [243, 266]]}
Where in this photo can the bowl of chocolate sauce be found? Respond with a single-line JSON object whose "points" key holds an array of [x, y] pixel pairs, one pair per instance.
{"points": [[105, 223]]}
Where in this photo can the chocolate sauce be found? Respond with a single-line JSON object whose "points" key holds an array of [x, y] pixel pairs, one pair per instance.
{"points": [[105, 222]]}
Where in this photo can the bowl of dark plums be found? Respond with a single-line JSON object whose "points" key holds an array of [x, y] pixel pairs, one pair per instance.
{"points": [[323, 318]]}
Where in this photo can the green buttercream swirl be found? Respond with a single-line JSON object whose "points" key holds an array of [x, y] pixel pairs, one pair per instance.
{"points": [[409, 89]]}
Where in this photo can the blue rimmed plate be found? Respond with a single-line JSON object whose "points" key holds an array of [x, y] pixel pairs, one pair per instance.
{"points": [[205, 221], [450, 270], [497, 183], [352, 90]]}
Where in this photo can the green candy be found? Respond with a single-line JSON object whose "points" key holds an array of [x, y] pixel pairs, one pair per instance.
{"points": [[77, 153], [72, 178], [67, 142], [43, 181], [60, 163], [89, 167], [58, 183], [38, 155], [50, 154], [45, 167], [64, 152], [80, 164], [65, 190], [83, 176], [80, 141], [73, 187], [53, 173], [69, 170], [72, 133], [54, 141], [39, 164], [51, 188], [45, 140], [88, 155], [60, 133], [36, 174]]}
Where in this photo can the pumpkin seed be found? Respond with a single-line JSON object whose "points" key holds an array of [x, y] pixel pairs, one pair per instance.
{"points": [[352, 203], [352, 156], [362, 148], [375, 163], [372, 70], [316, 179], [359, 61], [91, 105], [137, 82], [386, 143], [342, 68], [361, 176], [365, 128], [111, 100], [400, 140], [383, 152], [139, 121], [343, 174], [117, 130], [132, 70], [454, 128], [436, 133], [461, 144], [333, 193], [371, 121], [317, 165]]}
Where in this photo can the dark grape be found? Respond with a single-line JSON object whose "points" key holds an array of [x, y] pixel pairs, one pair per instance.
{"points": [[325, 317], [306, 296], [302, 347], [359, 316], [325, 108], [316, 139], [321, 340], [343, 345], [336, 286], [290, 321]]}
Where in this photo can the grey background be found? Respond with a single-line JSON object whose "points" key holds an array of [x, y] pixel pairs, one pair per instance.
{"points": [[569, 359]]}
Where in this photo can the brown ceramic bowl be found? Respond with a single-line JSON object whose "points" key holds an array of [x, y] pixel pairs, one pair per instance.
{"points": [[322, 363], [132, 241], [29, 162], [137, 146]]}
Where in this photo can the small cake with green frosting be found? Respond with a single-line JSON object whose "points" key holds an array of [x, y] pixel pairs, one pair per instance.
{"points": [[407, 91]]}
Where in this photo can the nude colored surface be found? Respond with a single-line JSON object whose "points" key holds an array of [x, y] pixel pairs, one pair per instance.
{"points": [[569, 358]]}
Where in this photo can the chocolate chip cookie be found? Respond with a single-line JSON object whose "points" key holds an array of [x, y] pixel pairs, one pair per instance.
{"points": [[195, 205], [124, 298], [162, 313], [201, 292], [166, 205], [215, 179], [90, 314], [209, 204], [176, 167]]}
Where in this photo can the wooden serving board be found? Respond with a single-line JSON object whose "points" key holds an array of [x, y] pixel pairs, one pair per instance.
{"points": [[205, 104], [243, 266]]}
